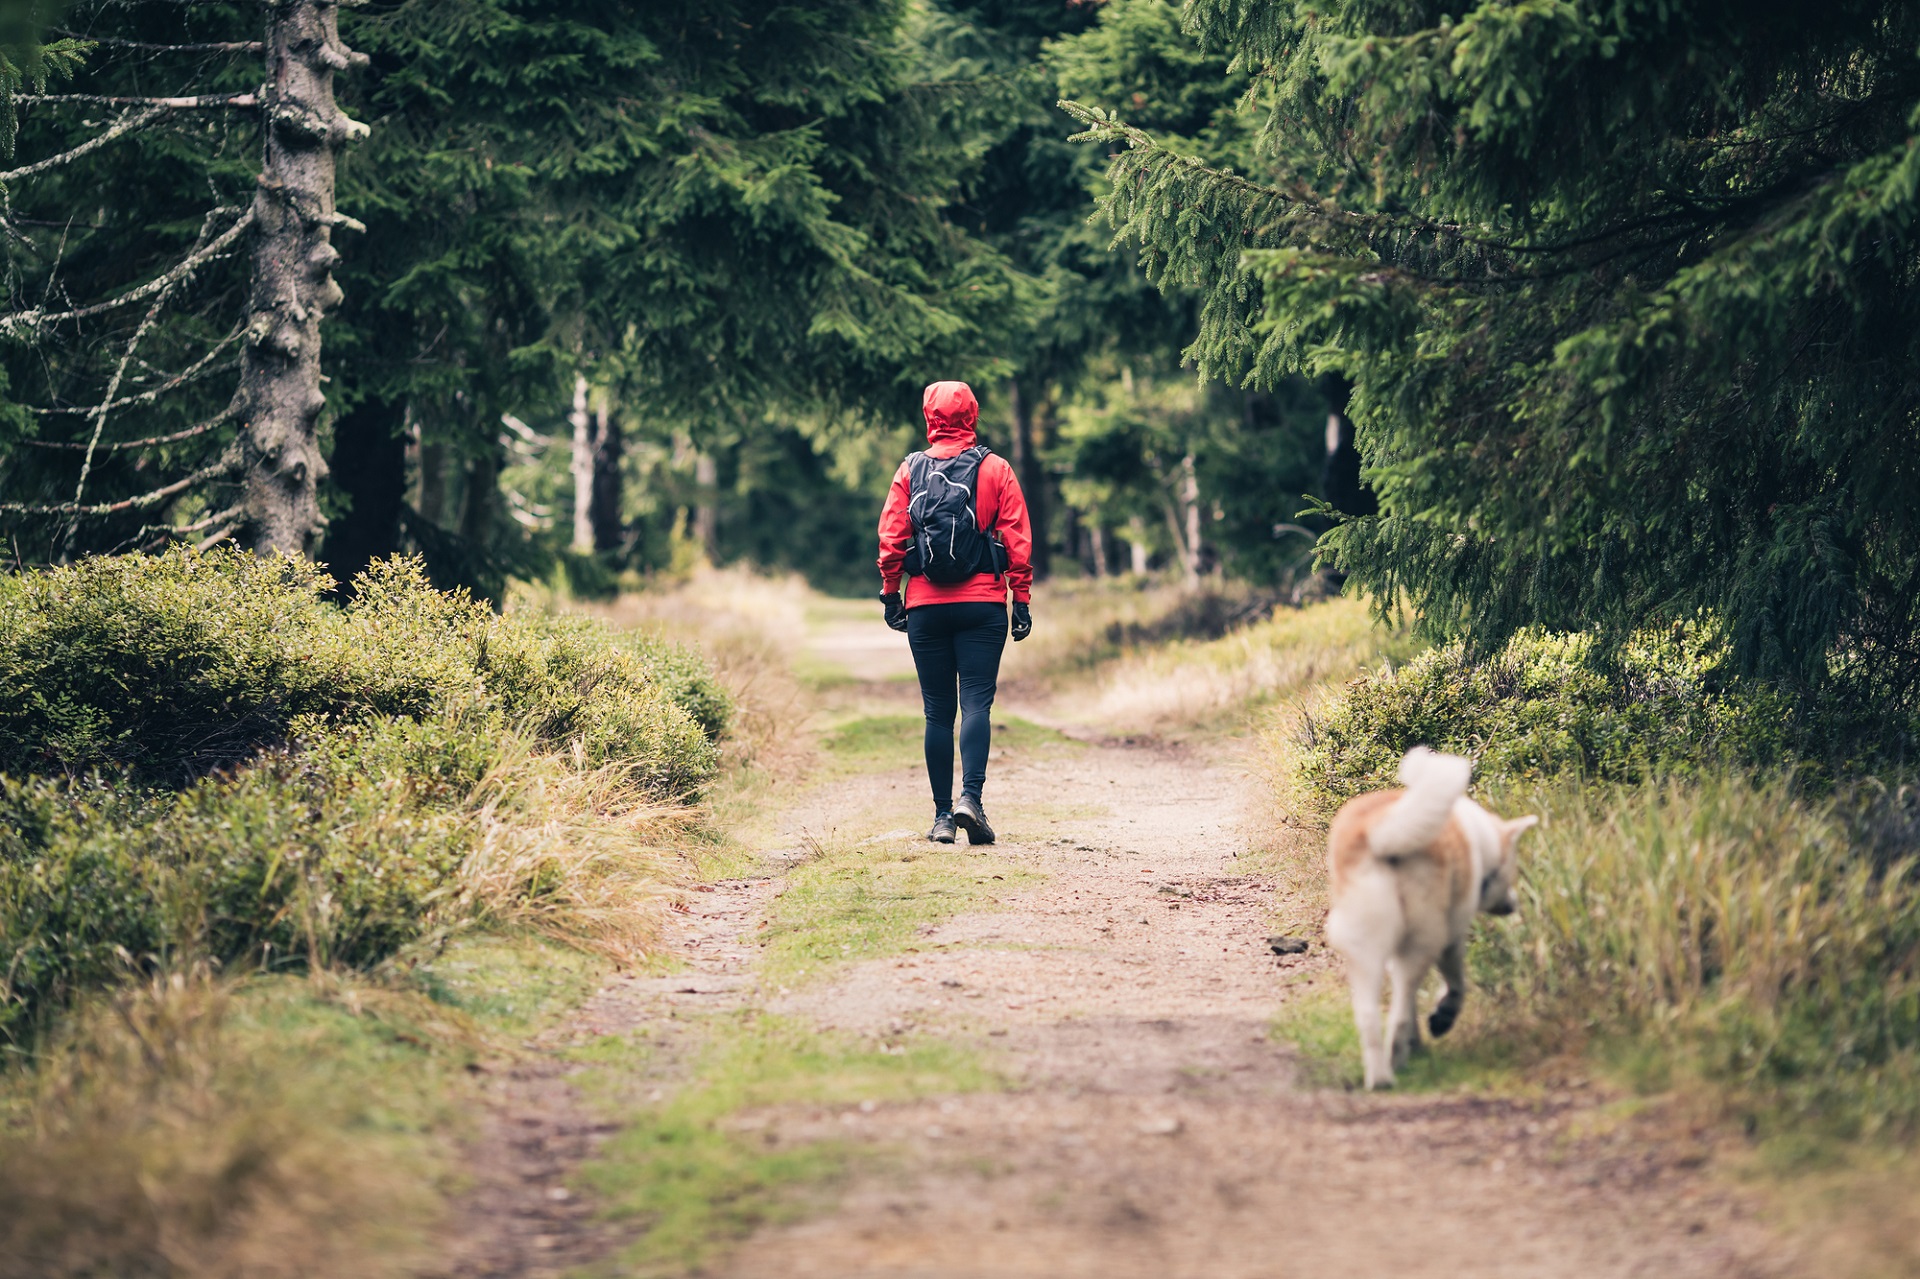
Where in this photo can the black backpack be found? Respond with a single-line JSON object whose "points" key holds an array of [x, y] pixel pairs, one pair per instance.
{"points": [[949, 546]]}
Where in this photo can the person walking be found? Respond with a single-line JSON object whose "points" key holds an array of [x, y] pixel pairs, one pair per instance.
{"points": [[955, 528]]}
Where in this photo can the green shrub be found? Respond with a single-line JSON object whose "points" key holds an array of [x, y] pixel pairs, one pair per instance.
{"points": [[1742, 932], [1545, 706], [214, 763], [169, 667], [576, 689], [75, 910], [687, 679], [281, 862]]}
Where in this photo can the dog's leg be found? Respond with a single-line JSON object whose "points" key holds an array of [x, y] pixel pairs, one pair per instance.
{"points": [[1453, 967], [1363, 981], [1403, 1021]]}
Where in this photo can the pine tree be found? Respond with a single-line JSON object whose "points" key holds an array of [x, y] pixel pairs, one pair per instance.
{"points": [[1625, 291]]}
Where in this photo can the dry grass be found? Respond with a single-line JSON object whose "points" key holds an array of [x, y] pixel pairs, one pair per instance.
{"points": [[1289, 661], [175, 1130], [582, 857], [745, 624]]}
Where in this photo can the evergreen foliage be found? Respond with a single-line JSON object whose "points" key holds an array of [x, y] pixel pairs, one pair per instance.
{"points": [[1624, 290]]}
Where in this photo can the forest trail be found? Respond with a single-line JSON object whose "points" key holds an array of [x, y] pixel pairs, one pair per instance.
{"points": [[1151, 1125]]}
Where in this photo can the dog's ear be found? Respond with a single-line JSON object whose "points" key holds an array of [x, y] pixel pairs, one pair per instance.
{"points": [[1519, 826]]}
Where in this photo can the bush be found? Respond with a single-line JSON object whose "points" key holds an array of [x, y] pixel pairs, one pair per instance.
{"points": [[279, 863], [213, 763], [169, 666], [172, 666], [574, 688], [1545, 706]]}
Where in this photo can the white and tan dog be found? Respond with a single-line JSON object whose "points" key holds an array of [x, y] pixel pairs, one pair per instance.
{"points": [[1409, 870]]}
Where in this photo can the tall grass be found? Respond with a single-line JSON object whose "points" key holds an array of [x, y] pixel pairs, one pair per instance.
{"points": [[172, 1129], [1736, 933]]}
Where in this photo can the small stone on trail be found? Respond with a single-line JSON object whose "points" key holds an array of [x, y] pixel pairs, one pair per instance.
{"points": [[1161, 1126], [1288, 945]]}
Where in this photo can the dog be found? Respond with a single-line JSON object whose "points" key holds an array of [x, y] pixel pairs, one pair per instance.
{"points": [[1409, 869]]}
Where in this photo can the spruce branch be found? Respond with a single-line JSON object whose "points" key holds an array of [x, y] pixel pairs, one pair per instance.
{"points": [[196, 102], [227, 464], [113, 383], [172, 437], [198, 369], [164, 283], [216, 46], [120, 128]]}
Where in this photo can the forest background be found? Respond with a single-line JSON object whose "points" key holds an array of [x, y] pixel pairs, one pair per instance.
{"points": [[636, 285], [1577, 335]]}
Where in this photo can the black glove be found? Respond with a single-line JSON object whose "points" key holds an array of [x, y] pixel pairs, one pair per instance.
{"points": [[896, 610], [1022, 621]]}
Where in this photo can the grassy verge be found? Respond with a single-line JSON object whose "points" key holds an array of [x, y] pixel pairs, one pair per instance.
{"points": [[871, 742], [1734, 945], [1317, 1022], [266, 1126]]}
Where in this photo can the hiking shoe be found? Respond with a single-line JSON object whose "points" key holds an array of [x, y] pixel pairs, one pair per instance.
{"points": [[942, 832], [971, 818]]}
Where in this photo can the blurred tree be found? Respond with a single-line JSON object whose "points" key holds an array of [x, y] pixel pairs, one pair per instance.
{"points": [[707, 209], [1228, 468]]}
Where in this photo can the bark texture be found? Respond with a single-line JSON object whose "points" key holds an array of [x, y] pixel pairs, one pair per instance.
{"points": [[293, 285]]}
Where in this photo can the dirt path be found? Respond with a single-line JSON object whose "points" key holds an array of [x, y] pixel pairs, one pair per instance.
{"points": [[1153, 1126]]}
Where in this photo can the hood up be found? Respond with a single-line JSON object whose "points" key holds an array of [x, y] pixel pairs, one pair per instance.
{"points": [[951, 412]]}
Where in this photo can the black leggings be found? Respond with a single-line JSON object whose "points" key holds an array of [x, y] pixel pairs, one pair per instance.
{"points": [[956, 649]]}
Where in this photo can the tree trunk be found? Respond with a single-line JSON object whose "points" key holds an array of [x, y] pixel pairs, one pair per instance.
{"points": [[1033, 479], [1190, 500], [608, 531], [1137, 546], [1340, 480], [370, 468], [433, 483], [582, 469], [292, 284], [1097, 542], [483, 493], [706, 516]]}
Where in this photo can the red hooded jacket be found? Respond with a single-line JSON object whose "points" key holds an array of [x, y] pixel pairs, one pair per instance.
{"points": [[951, 412]]}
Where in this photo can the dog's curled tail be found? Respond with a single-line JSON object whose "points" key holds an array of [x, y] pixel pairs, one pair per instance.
{"points": [[1433, 781]]}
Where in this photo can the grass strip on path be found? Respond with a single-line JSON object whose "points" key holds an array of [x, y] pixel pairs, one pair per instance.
{"points": [[697, 1178]]}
